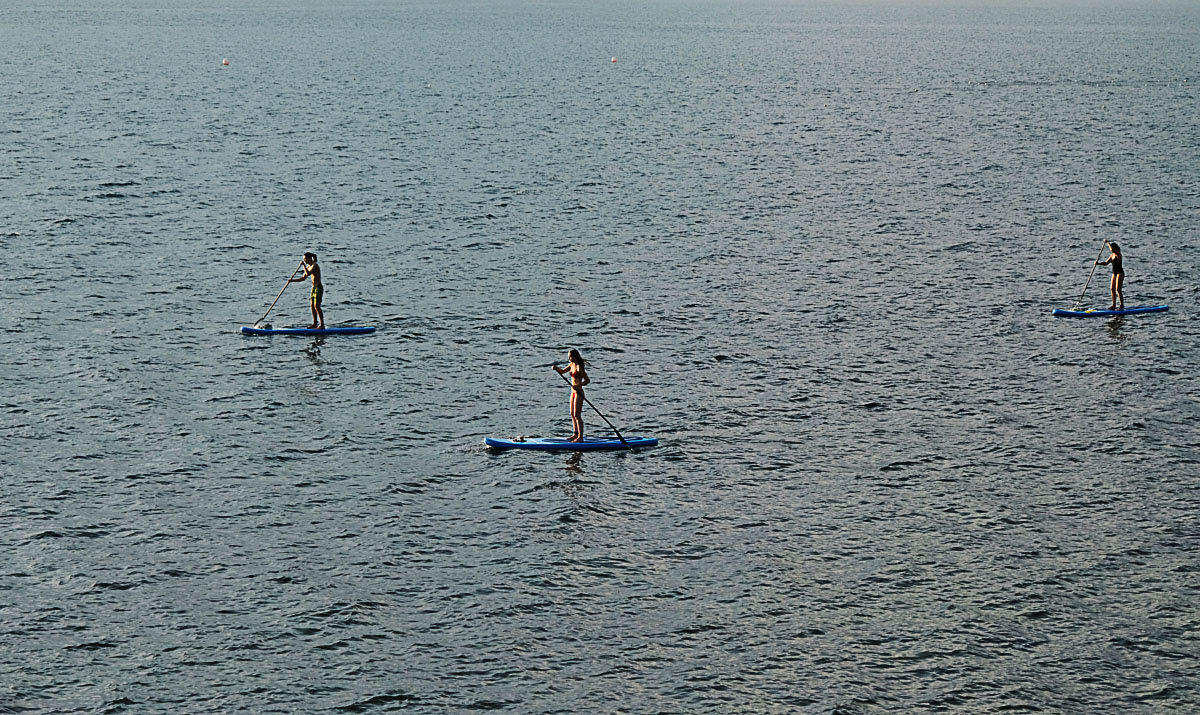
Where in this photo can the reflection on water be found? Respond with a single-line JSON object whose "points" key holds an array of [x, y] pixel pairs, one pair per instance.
{"points": [[313, 350], [1114, 327]]}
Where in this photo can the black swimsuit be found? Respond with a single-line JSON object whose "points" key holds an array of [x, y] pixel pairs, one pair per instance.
{"points": [[1116, 264]]}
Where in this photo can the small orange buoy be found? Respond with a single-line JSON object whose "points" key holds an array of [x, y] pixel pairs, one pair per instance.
{"points": [[225, 62]]}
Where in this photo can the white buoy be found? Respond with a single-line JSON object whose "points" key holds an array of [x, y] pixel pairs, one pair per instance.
{"points": [[225, 62]]}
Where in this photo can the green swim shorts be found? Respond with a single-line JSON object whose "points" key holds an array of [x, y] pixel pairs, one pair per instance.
{"points": [[317, 293]]}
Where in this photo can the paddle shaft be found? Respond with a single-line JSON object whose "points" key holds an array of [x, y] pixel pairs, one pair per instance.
{"points": [[281, 290], [1089, 280], [585, 399]]}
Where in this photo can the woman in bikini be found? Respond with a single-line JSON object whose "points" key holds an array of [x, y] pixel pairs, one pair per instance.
{"points": [[579, 378], [1118, 276]]}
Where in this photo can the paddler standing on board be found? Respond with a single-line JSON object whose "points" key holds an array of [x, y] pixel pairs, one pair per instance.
{"points": [[579, 378], [318, 289], [1118, 276]]}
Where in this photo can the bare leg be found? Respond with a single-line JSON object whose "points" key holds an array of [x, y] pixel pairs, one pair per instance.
{"points": [[1112, 290], [318, 315], [576, 416], [1119, 281], [574, 419]]}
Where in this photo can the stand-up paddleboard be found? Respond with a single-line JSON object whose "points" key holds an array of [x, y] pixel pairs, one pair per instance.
{"points": [[350, 330], [1107, 313], [564, 444]]}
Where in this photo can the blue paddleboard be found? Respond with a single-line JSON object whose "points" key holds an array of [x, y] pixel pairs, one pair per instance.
{"points": [[352, 330], [564, 444], [1106, 313]]}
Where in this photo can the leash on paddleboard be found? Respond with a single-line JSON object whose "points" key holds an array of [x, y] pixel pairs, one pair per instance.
{"points": [[1089, 280], [610, 424], [281, 290]]}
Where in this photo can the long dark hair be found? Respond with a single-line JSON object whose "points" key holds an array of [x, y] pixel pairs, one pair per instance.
{"points": [[574, 356], [1115, 248]]}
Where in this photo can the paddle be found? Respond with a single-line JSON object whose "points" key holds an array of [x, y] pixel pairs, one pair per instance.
{"points": [[610, 424], [1089, 280], [281, 290]]}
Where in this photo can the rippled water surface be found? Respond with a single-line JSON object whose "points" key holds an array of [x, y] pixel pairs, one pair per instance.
{"points": [[811, 247]]}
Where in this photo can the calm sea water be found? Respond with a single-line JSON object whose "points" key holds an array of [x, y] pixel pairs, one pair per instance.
{"points": [[812, 247]]}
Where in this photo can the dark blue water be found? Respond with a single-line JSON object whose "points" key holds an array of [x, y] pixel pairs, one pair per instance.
{"points": [[811, 247]]}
